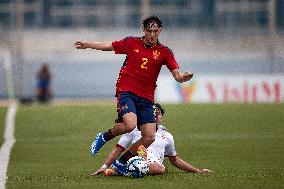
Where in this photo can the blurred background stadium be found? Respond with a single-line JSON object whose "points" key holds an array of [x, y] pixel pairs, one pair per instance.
{"points": [[219, 38], [234, 47]]}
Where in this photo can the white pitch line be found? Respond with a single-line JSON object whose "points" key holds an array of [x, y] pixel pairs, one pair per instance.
{"points": [[9, 141]]}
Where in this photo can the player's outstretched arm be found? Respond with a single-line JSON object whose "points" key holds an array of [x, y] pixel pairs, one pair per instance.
{"points": [[179, 77], [116, 152], [181, 164], [104, 46]]}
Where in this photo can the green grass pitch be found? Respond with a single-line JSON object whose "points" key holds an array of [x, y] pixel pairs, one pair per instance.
{"points": [[242, 143]]}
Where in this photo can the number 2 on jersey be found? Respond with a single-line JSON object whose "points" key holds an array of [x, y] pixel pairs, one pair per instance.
{"points": [[144, 62]]}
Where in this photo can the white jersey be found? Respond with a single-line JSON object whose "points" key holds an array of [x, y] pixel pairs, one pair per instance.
{"points": [[161, 147]]}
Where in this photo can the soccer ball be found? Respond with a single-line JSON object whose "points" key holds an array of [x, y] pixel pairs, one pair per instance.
{"points": [[137, 167]]}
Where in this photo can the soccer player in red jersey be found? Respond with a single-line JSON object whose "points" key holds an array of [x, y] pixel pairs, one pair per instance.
{"points": [[136, 83]]}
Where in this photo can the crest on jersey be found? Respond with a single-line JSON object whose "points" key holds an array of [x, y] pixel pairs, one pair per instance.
{"points": [[156, 54]]}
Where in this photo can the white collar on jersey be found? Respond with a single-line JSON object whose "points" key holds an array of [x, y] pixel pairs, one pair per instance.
{"points": [[161, 127]]}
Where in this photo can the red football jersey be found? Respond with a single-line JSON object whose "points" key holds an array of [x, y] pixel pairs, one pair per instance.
{"points": [[142, 66]]}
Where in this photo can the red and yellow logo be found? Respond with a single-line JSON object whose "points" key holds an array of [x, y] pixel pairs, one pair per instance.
{"points": [[156, 54]]}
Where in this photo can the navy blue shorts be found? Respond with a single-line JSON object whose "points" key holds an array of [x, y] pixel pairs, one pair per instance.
{"points": [[143, 108]]}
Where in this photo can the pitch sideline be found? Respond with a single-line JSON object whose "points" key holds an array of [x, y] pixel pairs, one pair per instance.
{"points": [[9, 141]]}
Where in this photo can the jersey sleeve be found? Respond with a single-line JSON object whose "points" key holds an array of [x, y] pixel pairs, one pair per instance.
{"points": [[170, 60], [170, 148], [126, 140], [121, 46]]}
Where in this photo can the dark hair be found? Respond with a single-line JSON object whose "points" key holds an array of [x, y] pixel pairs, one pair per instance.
{"points": [[160, 108], [150, 19]]}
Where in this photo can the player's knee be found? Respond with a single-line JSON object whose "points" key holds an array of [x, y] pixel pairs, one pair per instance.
{"points": [[129, 127], [148, 140], [152, 139]]}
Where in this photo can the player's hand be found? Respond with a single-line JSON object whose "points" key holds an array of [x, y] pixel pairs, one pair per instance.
{"points": [[206, 171], [99, 171], [187, 76], [81, 44]]}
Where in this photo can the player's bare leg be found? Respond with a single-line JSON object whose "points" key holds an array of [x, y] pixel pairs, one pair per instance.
{"points": [[148, 137], [128, 125]]}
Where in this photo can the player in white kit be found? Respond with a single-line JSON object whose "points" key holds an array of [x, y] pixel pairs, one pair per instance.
{"points": [[163, 146]]}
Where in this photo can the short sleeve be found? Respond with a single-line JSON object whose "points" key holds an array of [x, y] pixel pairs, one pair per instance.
{"points": [[126, 140], [170, 148], [170, 60], [122, 46]]}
